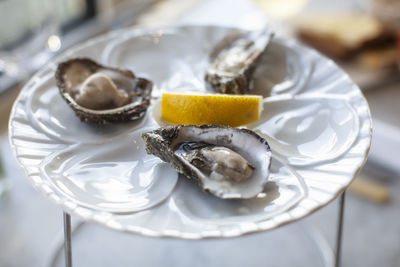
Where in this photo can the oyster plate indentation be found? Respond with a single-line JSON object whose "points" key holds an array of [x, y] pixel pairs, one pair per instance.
{"points": [[304, 131], [51, 144], [171, 70], [116, 177], [283, 70], [284, 190], [50, 114]]}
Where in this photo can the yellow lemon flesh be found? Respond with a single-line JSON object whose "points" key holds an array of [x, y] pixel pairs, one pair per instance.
{"points": [[229, 110]]}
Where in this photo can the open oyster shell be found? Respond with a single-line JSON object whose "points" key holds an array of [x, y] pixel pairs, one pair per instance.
{"points": [[101, 94], [234, 59], [227, 162]]}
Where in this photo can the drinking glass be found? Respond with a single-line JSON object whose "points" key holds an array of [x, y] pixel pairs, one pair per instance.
{"points": [[28, 37]]}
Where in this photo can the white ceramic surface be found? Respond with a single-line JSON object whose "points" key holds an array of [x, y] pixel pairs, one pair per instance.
{"points": [[315, 119]]}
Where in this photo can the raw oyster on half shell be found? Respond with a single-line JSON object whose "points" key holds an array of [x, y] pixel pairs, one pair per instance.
{"points": [[234, 59], [227, 162], [101, 94]]}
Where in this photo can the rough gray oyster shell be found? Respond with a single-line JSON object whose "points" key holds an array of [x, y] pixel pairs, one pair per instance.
{"points": [[238, 166], [234, 59], [101, 94]]}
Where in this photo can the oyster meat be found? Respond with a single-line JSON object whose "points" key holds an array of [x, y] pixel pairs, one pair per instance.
{"points": [[101, 94], [227, 162], [234, 59]]}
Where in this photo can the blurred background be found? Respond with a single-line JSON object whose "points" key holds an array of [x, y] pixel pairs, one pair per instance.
{"points": [[359, 35]]}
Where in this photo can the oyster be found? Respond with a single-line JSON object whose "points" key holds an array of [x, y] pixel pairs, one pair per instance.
{"points": [[102, 94], [234, 59], [227, 162]]}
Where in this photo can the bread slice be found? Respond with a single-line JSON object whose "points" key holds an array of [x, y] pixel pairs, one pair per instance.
{"points": [[344, 35]]}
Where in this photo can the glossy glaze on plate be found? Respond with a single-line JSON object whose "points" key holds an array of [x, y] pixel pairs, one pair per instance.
{"points": [[315, 119]]}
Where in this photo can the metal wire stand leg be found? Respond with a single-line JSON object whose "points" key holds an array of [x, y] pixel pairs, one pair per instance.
{"points": [[67, 240], [339, 231]]}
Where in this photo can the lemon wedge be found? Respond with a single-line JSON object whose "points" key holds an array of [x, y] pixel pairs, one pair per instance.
{"points": [[229, 110]]}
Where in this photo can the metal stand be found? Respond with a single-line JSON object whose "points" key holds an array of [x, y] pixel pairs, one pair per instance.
{"points": [[338, 245], [339, 232], [67, 239]]}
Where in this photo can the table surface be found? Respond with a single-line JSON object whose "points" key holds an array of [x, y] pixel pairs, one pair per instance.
{"points": [[31, 226]]}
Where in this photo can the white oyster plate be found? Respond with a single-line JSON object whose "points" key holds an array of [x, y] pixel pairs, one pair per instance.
{"points": [[315, 118]]}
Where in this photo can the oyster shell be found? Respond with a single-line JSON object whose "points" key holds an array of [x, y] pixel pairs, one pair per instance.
{"points": [[227, 162], [101, 94], [234, 59]]}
